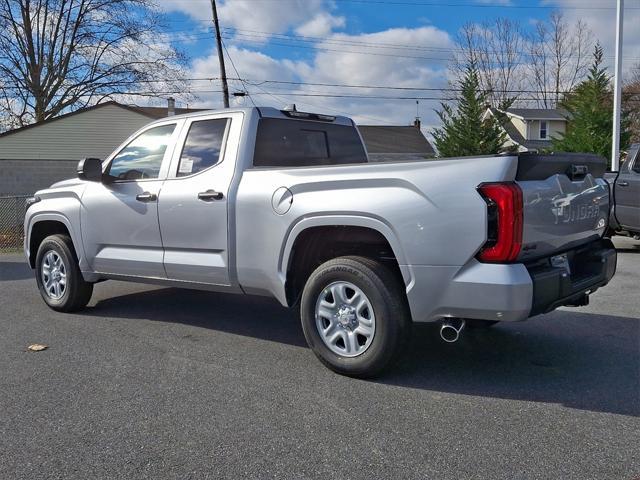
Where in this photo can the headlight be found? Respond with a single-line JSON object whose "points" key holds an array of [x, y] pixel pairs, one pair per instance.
{"points": [[31, 201]]}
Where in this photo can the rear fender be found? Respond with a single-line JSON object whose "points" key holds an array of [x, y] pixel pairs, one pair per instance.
{"points": [[343, 221]]}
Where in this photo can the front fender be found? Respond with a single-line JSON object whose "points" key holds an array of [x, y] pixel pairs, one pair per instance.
{"points": [[57, 206], [32, 220]]}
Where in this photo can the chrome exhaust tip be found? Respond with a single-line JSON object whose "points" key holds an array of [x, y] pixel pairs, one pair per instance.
{"points": [[451, 329]]}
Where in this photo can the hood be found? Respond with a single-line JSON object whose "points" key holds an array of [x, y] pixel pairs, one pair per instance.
{"points": [[70, 182]]}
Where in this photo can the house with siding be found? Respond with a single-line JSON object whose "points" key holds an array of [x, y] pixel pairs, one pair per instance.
{"points": [[531, 129], [37, 155]]}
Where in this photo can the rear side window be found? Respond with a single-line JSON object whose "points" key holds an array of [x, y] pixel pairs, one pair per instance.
{"points": [[202, 147], [299, 143]]}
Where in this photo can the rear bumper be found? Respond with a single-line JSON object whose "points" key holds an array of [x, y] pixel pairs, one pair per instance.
{"points": [[590, 267], [509, 292]]}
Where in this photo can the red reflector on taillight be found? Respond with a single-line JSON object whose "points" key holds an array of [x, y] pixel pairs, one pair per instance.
{"points": [[505, 228]]}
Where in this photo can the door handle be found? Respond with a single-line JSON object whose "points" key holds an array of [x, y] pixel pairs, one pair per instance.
{"points": [[210, 195], [623, 184], [146, 197]]}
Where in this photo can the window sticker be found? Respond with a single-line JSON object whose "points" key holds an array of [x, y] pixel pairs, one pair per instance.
{"points": [[186, 165]]}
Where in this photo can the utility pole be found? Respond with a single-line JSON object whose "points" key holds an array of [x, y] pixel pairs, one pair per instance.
{"points": [[223, 71], [617, 90]]}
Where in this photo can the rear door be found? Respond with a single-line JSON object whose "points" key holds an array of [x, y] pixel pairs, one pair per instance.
{"points": [[193, 206], [627, 192]]}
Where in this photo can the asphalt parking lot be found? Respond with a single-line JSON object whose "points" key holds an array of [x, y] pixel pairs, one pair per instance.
{"points": [[153, 382]]}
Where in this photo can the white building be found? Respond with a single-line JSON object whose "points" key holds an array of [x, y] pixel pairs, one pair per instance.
{"points": [[531, 129]]}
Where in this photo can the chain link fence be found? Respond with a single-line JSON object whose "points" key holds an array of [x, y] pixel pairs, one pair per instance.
{"points": [[12, 209]]}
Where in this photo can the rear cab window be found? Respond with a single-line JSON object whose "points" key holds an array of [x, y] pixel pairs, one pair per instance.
{"points": [[304, 143]]}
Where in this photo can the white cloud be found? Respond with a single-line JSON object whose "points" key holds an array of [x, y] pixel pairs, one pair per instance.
{"points": [[392, 57], [321, 25], [344, 63], [401, 63], [250, 64], [262, 16]]}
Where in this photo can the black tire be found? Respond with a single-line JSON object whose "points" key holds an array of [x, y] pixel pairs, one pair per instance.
{"points": [[384, 291], [474, 323], [77, 292]]}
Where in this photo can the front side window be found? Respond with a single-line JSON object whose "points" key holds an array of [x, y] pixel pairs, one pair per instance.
{"points": [[301, 143], [543, 130], [142, 157], [202, 147]]}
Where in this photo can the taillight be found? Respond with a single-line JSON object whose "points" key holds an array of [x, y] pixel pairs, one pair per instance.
{"points": [[504, 218]]}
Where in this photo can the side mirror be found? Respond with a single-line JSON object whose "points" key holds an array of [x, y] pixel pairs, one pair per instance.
{"points": [[90, 169]]}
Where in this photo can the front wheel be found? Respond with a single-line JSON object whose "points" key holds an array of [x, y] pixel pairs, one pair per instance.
{"points": [[354, 316], [58, 276]]}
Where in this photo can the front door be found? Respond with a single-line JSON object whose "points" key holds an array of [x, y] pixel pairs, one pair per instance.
{"points": [[627, 193], [119, 218], [193, 206]]}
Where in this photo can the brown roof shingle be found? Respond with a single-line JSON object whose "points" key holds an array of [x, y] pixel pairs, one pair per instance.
{"points": [[395, 139]]}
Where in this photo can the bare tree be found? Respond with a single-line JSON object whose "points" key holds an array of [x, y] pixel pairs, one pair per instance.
{"points": [[631, 102], [558, 58], [62, 55], [496, 49], [530, 66]]}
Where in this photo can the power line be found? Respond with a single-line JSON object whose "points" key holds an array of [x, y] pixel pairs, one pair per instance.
{"points": [[322, 49], [339, 41], [257, 83], [469, 5], [237, 73], [259, 38], [386, 87], [307, 38], [152, 93]]}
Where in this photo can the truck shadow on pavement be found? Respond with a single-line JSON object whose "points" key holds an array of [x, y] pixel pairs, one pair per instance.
{"points": [[11, 270], [579, 360]]}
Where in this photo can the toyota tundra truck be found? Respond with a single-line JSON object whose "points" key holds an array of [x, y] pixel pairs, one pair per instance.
{"points": [[287, 204]]}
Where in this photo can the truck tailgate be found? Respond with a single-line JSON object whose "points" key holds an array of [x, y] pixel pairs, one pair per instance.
{"points": [[565, 202]]}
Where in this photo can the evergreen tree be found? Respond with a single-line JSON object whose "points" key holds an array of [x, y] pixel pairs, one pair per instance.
{"points": [[590, 114], [463, 131]]}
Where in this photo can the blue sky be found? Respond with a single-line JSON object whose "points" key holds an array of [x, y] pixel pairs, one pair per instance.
{"points": [[400, 43]]}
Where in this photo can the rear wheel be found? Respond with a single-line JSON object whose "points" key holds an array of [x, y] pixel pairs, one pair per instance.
{"points": [[58, 276], [354, 316]]}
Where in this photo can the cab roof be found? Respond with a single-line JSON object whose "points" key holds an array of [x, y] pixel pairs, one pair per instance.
{"points": [[271, 112]]}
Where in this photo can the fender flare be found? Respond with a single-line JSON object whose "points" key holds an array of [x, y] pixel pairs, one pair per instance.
{"points": [[60, 218], [343, 220]]}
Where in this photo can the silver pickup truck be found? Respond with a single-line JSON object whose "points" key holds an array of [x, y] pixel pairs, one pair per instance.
{"points": [[286, 204]]}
